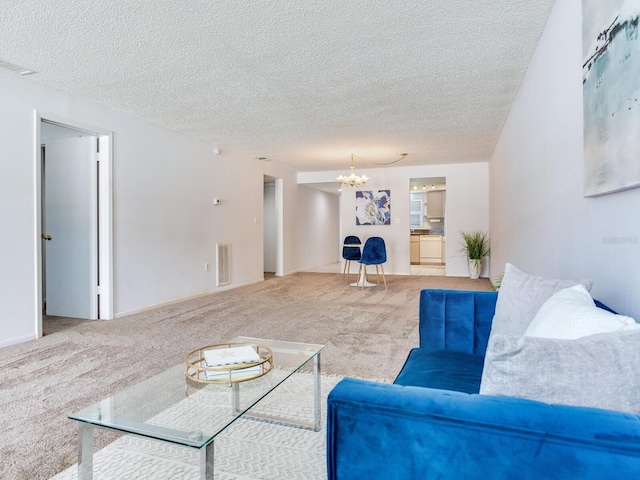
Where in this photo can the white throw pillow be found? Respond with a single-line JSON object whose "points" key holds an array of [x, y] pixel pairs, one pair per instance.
{"points": [[571, 314], [520, 297]]}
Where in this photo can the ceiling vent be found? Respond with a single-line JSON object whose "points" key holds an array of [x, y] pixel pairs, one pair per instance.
{"points": [[16, 68]]}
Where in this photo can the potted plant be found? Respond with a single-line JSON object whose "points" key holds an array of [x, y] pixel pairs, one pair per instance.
{"points": [[475, 247], [495, 287]]}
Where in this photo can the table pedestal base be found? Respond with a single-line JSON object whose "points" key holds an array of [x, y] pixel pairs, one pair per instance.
{"points": [[362, 281]]}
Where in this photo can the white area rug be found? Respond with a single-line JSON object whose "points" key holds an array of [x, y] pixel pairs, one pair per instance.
{"points": [[247, 450]]}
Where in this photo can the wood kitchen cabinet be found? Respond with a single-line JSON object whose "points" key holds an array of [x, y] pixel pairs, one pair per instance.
{"points": [[435, 204], [415, 249]]}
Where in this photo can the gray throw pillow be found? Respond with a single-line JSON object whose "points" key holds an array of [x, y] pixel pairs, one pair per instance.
{"points": [[599, 371], [520, 296]]}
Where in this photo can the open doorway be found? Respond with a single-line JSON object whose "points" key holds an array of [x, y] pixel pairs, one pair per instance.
{"points": [[273, 237], [428, 231], [73, 172]]}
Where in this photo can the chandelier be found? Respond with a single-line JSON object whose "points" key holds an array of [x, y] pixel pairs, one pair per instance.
{"points": [[354, 180]]}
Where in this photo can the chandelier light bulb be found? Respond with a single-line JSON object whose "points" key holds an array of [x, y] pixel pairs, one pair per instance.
{"points": [[354, 180]]}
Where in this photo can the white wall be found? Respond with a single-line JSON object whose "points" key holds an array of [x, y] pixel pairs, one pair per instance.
{"points": [[311, 223], [165, 224], [540, 220], [316, 221], [467, 208]]}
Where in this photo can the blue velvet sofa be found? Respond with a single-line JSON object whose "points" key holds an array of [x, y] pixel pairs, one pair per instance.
{"points": [[432, 423]]}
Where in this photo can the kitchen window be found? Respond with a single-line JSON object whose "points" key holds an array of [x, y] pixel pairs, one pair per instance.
{"points": [[416, 212]]}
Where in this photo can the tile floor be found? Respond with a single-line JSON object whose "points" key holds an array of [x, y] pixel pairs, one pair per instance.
{"points": [[432, 270]]}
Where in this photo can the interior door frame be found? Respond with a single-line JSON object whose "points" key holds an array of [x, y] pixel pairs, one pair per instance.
{"points": [[105, 213], [279, 227]]}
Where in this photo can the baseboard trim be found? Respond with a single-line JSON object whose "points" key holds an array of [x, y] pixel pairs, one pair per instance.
{"points": [[15, 341], [184, 299]]}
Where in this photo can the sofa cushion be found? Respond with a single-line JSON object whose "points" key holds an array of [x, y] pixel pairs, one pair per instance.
{"points": [[571, 313], [456, 319], [382, 431], [443, 369], [520, 297], [596, 371]]}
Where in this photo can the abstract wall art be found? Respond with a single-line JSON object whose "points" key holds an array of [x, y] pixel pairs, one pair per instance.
{"points": [[373, 207], [611, 95]]}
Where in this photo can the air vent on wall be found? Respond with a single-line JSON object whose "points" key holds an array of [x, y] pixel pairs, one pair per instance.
{"points": [[223, 275], [12, 67]]}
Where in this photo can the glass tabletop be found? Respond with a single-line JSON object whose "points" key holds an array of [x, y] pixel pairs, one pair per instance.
{"points": [[172, 408]]}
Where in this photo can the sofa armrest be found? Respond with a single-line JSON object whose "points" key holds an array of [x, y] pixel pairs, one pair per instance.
{"points": [[456, 320], [377, 430]]}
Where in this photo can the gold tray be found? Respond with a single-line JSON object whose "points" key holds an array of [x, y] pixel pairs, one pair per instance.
{"points": [[196, 369]]}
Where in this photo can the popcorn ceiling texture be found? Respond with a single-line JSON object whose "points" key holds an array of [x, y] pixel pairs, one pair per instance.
{"points": [[304, 83]]}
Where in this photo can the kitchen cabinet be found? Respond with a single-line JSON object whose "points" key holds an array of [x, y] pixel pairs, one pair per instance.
{"points": [[435, 204], [431, 249], [415, 249]]}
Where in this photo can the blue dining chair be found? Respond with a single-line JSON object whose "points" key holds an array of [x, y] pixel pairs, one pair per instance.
{"points": [[350, 253], [373, 253]]}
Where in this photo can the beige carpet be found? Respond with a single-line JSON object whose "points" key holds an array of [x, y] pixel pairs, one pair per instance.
{"points": [[368, 334]]}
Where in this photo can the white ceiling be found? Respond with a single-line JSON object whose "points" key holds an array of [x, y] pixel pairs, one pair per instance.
{"points": [[302, 82]]}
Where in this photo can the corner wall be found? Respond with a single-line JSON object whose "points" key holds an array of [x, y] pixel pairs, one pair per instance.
{"points": [[311, 223], [317, 228], [165, 224], [540, 220]]}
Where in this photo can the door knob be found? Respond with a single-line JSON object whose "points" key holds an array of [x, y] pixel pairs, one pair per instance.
{"points": [[46, 237]]}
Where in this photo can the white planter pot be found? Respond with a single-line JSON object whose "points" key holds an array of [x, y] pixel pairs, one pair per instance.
{"points": [[475, 266]]}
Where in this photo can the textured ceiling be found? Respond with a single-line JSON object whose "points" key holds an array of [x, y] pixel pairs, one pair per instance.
{"points": [[304, 83]]}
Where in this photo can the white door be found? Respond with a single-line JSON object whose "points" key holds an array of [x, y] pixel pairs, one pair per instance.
{"points": [[71, 221]]}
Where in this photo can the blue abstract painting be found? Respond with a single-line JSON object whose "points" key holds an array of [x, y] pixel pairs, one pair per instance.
{"points": [[373, 208], [611, 94]]}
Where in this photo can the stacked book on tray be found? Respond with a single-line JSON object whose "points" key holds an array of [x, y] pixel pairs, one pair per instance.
{"points": [[234, 358]]}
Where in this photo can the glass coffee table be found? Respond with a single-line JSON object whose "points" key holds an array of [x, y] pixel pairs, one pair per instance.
{"points": [[171, 408]]}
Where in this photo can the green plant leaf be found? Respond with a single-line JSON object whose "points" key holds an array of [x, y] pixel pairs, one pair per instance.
{"points": [[475, 245], [496, 285]]}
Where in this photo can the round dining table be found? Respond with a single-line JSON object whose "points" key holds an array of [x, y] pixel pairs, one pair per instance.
{"points": [[362, 281]]}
